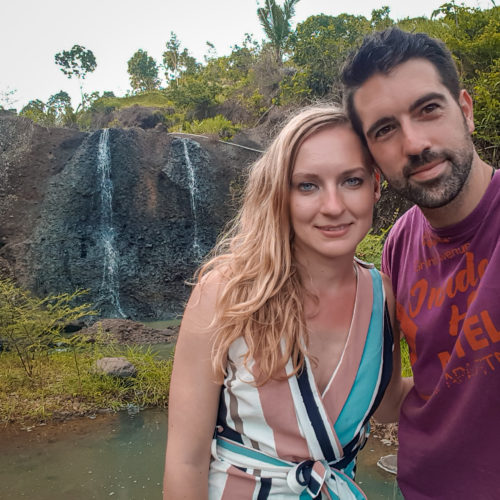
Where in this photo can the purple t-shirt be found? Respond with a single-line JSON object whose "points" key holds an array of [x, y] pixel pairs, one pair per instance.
{"points": [[447, 287]]}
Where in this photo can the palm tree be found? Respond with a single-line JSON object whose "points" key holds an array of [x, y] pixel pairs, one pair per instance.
{"points": [[276, 23]]}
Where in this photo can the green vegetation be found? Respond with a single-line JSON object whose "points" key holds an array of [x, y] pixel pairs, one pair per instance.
{"points": [[217, 126], [77, 62], [370, 250], [276, 22], [292, 67], [154, 99], [46, 374], [30, 326], [406, 370], [60, 390], [143, 72]]}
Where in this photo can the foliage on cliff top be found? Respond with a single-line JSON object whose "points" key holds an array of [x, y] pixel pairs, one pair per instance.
{"points": [[244, 85], [152, 98]]}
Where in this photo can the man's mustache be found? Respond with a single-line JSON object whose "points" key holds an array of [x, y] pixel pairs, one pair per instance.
{"points": [[422, 159]]}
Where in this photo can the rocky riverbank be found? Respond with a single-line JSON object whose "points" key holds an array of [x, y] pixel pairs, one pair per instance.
{"points": [[125, 331]]}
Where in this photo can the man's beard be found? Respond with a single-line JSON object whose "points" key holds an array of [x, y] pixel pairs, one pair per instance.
{"points": [[440, 191]]}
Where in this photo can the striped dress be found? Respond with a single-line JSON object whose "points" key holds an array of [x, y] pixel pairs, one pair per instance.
{"points": [[285, 440]]}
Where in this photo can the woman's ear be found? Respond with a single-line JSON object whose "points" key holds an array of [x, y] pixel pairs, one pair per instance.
{"points": [[377, 192]]}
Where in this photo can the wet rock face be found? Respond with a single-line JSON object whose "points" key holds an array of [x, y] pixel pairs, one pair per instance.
{"points": [[131, 231], [168, 199]]}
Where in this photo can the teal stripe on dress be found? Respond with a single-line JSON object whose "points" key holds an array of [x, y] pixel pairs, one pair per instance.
{"points": [[363, 388], [251, 453]]}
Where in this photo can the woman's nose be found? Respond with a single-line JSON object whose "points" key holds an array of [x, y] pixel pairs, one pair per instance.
{"points": [[332, 202]]}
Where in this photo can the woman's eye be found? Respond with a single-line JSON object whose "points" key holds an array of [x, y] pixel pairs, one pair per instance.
{"points": [[354, 181], [306, 186]]}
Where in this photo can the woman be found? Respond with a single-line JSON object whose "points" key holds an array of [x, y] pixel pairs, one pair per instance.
{"points": [[285, 348]]}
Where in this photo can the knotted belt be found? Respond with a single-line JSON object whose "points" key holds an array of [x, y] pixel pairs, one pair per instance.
{"points": [[309, 476]]}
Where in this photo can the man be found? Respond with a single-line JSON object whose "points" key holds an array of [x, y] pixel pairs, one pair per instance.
{"points": [[443, 256]]}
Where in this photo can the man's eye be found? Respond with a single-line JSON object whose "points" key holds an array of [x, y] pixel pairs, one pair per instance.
{"points": [[430, 108], [306, 186], [384, 130]]}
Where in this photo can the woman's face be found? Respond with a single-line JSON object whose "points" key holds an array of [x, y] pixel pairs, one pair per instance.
{"points": [[332, 194]]}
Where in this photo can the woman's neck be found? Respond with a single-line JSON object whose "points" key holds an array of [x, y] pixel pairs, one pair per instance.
{"points": [[322, 275]]}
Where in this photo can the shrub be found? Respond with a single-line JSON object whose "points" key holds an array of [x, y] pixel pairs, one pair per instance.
{"points": [[218, 125], [31, 326]]}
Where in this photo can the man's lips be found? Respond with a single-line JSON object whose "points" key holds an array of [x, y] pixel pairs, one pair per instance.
{"points": [[429, 170]]}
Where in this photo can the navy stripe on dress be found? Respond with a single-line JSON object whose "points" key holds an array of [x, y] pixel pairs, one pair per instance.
{"points": [[386, 362], [265, 488], [314, 415], [222, 429]]}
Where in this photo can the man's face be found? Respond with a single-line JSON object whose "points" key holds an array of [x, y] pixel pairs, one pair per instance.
{"points": [[418, 134]]}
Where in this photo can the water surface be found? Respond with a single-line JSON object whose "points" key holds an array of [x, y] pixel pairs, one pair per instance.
{"points": [[118, 456]]}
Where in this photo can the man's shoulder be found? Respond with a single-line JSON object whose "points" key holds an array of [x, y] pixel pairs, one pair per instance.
{"points": [[401, 239], [406, 223]]}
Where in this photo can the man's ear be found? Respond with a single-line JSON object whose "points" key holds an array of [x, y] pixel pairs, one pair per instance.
{"points": [[467, 107], [377, 192]]}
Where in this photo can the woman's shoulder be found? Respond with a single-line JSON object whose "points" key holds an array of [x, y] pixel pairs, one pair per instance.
{"points": [[207, 290]]}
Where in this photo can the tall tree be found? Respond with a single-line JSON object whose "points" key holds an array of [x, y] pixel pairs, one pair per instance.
{"points": [[143, 72], [60, 105], [381, 18], [77, 62], [320, 45], [37, 111], [177, 61], [276, 22]]}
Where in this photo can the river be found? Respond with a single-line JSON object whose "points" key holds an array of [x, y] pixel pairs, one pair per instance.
{"points": [[118, 456]]}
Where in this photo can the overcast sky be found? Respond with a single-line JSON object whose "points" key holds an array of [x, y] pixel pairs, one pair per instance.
{"points": [[33, 31]]}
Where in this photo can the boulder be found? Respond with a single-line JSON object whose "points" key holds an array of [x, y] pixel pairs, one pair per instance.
{"points": [[116, 367]]}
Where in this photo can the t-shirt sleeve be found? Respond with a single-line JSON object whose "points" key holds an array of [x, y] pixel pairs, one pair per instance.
{"points": [[386, 256]]}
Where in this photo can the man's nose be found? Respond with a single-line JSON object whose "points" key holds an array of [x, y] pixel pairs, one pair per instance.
{"points": [[415, 139]]}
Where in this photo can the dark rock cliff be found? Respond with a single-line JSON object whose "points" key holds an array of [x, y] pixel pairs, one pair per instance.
{"points": [[125, 213]]}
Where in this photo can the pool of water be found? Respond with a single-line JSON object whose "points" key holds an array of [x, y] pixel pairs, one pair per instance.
{"points": [[118, 456]]}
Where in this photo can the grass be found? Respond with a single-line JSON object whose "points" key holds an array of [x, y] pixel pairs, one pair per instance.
{"points": [[406, 370], [216, 126], [61, 388], [154, 99]]}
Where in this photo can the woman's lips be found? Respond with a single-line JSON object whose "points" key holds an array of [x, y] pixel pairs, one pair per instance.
{"points": [[334, 230]]}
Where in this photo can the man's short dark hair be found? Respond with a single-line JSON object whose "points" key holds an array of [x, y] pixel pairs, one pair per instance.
{"points": [[382, 51]]}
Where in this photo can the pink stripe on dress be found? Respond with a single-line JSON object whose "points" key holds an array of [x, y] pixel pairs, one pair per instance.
{"points": [[343, 379], [239, 485], [279, 411]]}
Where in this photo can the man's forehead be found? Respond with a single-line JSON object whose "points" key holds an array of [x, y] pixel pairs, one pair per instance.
{"points": [[397, 90]]}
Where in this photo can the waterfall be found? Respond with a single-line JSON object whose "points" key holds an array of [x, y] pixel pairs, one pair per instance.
{"points": [[109, 289], [193, 197]]}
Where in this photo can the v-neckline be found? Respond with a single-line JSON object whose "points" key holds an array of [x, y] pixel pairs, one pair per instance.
{"points": [[336, 392], [346, 344]]}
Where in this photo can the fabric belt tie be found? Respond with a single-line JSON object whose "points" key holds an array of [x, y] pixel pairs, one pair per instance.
{"points": [[310, 476]]}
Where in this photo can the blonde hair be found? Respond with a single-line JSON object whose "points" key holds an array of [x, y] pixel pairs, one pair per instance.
{"points": [[262, 297]]}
